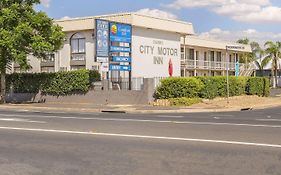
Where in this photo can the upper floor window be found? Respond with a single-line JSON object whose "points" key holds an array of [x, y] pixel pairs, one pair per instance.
{"points": [[78, 47], [49, 58]]}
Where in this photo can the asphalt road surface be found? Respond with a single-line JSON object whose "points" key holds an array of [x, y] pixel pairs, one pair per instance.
{"points": [[232, 143]]}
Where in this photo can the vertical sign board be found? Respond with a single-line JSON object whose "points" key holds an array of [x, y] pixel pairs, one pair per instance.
{"points": [[120, 33], [102, 40]]}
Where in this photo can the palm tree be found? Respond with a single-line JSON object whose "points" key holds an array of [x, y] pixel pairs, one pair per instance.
{"points": [[273, 52], [257, 52], [250, 57]]}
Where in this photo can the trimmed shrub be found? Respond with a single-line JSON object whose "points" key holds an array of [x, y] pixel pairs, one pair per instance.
{"points": [[26, 82], [266, 91], [94, 76], [67, 83], [56, 84], [217, 86], [237, 86], [178, 87], [183, 101], [211, 87], [258, 86]]}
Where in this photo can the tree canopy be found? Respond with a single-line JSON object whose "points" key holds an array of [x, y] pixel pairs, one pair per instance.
{"points": [[25, 31]]}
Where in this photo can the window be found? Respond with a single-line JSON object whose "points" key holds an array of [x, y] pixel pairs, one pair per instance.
{"points": [[49, 58], [78, 47], [219, 56], [205, 56], [212, 56], [197, 55], [48, 69], [77, 67]]}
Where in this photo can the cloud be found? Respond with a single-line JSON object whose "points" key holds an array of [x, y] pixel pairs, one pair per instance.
{"points": [[252, 34], [46, 3], [249, 11], [157, 13], [65, 18]]}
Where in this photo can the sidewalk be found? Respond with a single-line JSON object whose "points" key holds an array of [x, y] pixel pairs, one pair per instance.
{"points": [[216, 105]]}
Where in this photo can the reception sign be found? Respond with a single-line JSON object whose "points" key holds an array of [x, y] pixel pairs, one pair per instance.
{"points": [[120, 33]]}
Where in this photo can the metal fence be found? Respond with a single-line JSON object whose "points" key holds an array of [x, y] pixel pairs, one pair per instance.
{"points": [[124, 84]]}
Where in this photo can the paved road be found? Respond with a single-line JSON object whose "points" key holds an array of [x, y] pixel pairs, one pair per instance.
{"points": [[37, 143]]}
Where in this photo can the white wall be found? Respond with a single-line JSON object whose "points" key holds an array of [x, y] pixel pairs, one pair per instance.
{"points": [[145, 45]]}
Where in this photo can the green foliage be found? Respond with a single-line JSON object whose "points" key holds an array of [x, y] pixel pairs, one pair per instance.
{"points": [[266, 91], [26, 83], [183, 101], [211, 87], [66, 83], [25, 31], [258, 86], [178, 87], [56, 84], [94, 76]]}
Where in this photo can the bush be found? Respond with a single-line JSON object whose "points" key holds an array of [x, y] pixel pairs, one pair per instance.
{"points": [[67, 83], [266, 92], [183, 101], [178, 87], [94, 76], [211, 87], [217, 86], [56, 84], [258, 86], [26, 82]]}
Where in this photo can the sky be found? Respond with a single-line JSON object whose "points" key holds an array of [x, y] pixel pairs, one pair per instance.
{"points": [[258, 20]]}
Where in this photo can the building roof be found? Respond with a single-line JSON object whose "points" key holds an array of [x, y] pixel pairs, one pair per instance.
{"points": [[135, 19], [197, 41]]}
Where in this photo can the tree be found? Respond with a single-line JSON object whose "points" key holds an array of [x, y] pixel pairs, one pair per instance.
{"points": [[256, 51], [23, 32], [273, 53]]}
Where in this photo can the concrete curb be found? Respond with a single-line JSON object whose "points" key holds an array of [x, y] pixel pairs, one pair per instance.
{"points": [[127, 109]]}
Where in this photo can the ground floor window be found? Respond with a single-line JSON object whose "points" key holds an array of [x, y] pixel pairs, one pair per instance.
{"points": [[77, 67], [48, 69]]}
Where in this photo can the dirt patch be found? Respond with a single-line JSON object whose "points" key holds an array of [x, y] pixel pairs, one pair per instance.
{"points": [[240, 102]]}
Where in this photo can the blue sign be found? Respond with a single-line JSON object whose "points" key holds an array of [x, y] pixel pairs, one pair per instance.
{"points": [[122, 59], [237, 69], [119, 49], [102, 38], [114, 67], [120, 33]]}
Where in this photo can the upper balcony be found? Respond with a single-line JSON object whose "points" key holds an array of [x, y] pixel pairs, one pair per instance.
{"points": [[207, 65]]}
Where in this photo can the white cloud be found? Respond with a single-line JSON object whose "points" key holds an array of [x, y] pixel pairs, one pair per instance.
{"points": [[198, 3], [252, 34], [268, 14], [253, 11], [46, 3], [157, 13], [65, 18]]}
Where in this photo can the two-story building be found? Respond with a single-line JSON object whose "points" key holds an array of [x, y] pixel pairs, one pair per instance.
{"points": [[158, 48]]}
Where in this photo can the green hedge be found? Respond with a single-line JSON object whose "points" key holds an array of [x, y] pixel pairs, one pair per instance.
{"points": [[211, 87], [258, 86], [179, 87], [56, 84], [216, 86]]}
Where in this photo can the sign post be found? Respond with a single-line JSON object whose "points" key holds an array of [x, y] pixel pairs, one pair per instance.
{"points": [[229, 47]]}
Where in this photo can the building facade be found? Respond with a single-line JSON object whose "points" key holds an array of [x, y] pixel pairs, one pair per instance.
{"points": [[159, 48]]}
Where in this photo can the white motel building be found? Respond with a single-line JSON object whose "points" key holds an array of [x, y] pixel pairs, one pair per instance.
{"points": [[156, 48]]}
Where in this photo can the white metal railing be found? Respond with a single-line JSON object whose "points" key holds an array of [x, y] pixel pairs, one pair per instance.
{"points": [[247, 69], [208, 65]]}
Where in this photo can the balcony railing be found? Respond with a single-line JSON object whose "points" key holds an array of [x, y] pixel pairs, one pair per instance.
{"points": [[208, 65]]}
